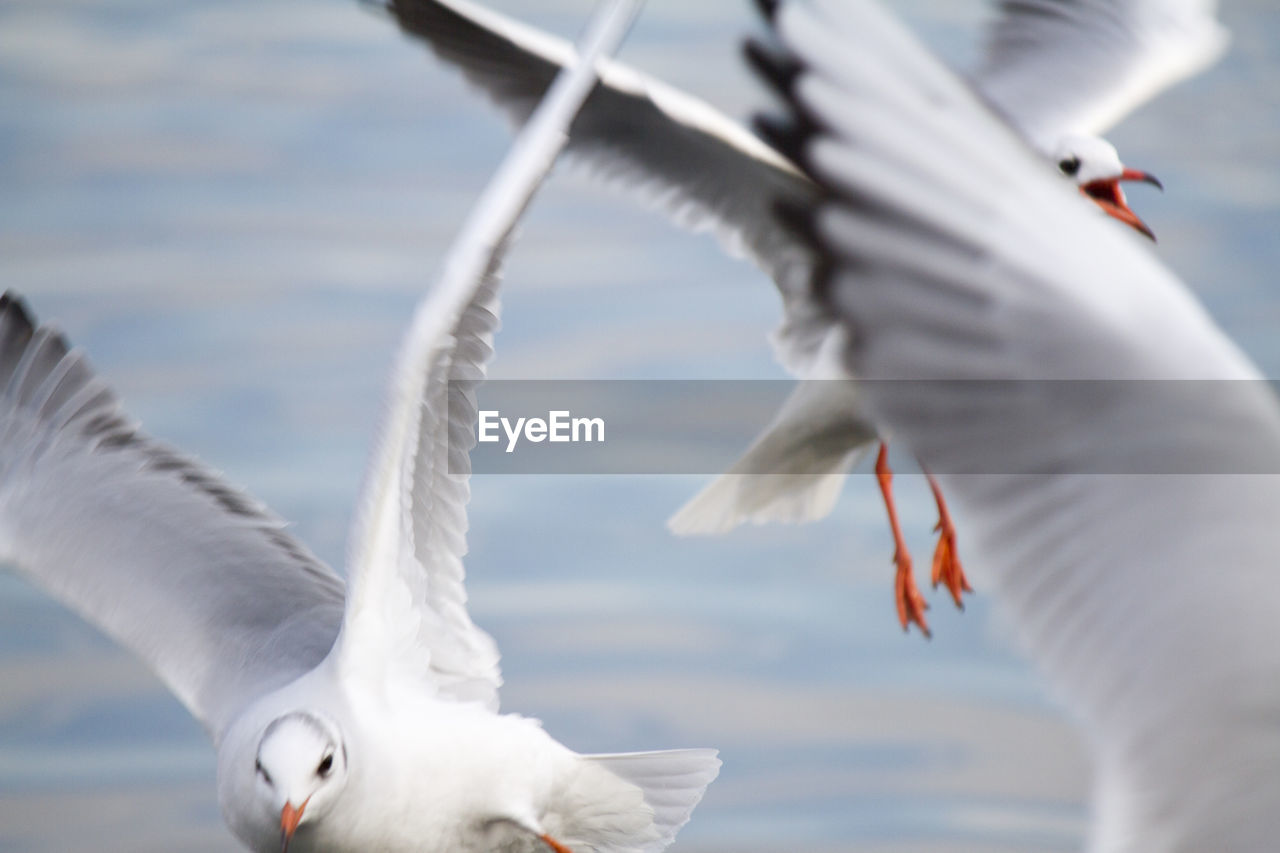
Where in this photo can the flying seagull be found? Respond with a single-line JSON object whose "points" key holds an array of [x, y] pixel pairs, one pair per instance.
{"points": [[345, 720], [1062, 71], [1125, 516]]}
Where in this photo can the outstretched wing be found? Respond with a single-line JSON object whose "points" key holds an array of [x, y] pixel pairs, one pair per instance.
{"points": [[702, 168], [1054, 67], [406, 614], [196, 578], [1126, 525]]}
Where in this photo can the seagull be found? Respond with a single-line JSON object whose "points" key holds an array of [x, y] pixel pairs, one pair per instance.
{"points": [[1061, 71], [345, 720], [1113, 454]]}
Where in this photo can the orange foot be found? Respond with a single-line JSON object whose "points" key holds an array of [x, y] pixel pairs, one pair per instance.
{"points": [[946, 562], [911, 604], [556, 846]]}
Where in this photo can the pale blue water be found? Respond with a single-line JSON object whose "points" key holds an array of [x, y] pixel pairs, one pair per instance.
{"points": [[233, 207]]}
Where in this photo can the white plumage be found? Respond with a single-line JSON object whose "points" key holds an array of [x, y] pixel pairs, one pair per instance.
{"points": [[1123, 519], [352, 720], [1058, 67], [1061, 70]]}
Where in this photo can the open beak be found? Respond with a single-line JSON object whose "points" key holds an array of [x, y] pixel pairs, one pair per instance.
{"points": [[1107, 195], [289, 819]]}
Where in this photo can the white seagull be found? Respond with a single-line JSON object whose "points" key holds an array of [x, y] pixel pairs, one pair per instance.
{"points": [[1062, 71], [1127, 526], [344, 721]]}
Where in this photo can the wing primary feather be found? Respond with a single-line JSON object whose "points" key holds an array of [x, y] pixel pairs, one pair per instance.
{"points": [[197, 579], [406, 613], [1125, 587], [775, 68], [768, 9], [676, 153]]}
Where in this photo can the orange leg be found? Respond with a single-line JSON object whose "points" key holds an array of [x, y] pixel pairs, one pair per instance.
{"points": [[911, 604], [946, 562], [556, 846]]}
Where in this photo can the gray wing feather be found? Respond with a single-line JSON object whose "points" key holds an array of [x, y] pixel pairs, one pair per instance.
{"points": [[1110, 517], [701, 167], [198, 579]]}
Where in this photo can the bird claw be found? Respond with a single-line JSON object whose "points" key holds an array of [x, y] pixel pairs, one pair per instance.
{"points": [[946, 561], [911, 604], [946, 566]]}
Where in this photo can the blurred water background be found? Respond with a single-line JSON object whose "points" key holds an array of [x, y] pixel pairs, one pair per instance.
{"points": [[233, 206]]}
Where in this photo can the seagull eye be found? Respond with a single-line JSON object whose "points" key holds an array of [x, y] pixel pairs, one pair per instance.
{"points": [[326, 764], [262, 771], [1069, 166]]}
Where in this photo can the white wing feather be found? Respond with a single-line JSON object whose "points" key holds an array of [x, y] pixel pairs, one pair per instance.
{"points": [[1079, 66], [196, 578], [406, 612], [1149, 599]]}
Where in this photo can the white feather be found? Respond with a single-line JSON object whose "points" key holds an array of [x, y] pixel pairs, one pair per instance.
{"points": [[406, 610], [1111, 515], [1058, 67], [1053, 67], [196, 578]]}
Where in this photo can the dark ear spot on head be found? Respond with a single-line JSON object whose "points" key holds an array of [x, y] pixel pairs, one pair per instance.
{"points": [[1069, 166], [326, 765], [262, 771]]}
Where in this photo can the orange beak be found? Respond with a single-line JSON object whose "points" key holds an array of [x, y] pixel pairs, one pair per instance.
{"points": [[1107, 195], [289, 819]]}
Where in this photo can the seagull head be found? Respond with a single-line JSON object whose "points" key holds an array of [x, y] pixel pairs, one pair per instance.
{"points": [[301, 767], [1095, 166]]}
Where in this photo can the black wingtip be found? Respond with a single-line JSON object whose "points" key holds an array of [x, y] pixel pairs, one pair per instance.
{"points": [[12, 304], [789, 135], [800, 221], [768, 9], [778, 70]]}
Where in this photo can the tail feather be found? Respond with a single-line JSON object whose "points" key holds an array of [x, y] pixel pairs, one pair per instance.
{"points": [[672, 781], [793, 471], [734, 499]]}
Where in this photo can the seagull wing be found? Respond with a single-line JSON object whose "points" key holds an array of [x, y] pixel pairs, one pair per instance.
{"points": [[199, 580], [1054, 67], [1112, 516], [406, 613], [705, 170]]}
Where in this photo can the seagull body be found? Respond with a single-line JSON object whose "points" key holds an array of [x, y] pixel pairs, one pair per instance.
{"points": [[345, 719], [446, 775], [1061, 71], [1113, 455]]}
